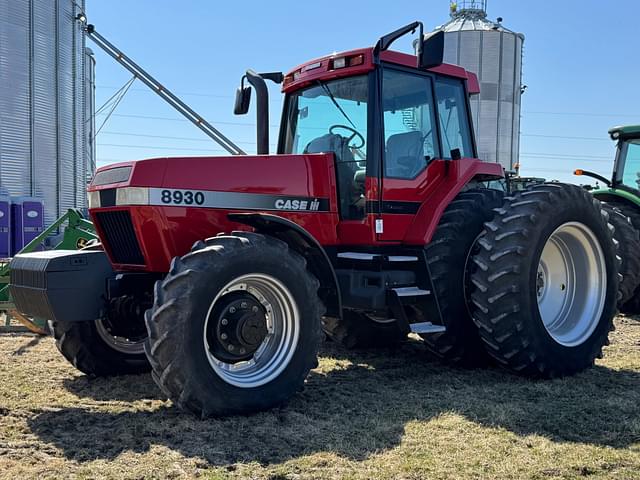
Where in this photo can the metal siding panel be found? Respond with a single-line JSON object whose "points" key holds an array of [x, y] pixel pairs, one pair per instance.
{"points": [[451, 48], [89, 114], [490, 57], [66, 160], [44, 108], [470, 51], [15, 96]]}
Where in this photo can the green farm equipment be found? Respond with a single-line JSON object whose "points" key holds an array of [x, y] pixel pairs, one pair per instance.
{"points": [[75, 235], [621, 194]]}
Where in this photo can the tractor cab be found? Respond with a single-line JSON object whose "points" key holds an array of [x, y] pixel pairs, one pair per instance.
{"points": [[624, 184], [626, 173], [390, 120]]}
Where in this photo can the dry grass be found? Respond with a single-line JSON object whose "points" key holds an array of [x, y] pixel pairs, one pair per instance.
{"points": [[392, 414]]}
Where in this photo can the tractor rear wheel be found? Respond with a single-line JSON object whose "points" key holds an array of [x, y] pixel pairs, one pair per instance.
{"points": [[448, 255], [546, 286], [109, 346], [632, 256], [629, 252], [235, 326]]}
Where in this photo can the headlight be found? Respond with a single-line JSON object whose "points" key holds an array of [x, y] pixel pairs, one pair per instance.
{"points": [[132, 196], [94, 199]]}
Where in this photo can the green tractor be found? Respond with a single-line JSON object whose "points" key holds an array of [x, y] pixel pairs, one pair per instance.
{"points": [[621, 195]]}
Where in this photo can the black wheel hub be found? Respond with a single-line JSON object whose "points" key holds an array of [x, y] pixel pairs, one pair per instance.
{"points": [[125, 317], [237, 327]]}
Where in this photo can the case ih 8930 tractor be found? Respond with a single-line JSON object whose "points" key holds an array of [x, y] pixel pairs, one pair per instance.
{"points": [[374, 220]]}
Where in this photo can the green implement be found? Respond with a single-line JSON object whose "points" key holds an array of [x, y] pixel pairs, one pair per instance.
{"points": [[76, 234], [621, 192]]}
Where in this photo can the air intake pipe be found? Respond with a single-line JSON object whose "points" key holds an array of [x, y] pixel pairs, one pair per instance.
{"points": [[257, 81]]}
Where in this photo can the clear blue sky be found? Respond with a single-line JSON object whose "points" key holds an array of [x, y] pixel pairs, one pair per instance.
{"points": [[579, 65]]}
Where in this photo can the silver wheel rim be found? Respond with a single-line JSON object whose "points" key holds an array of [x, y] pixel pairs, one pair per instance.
{"points": [[283, 330], [120, 344], [571, 284]]}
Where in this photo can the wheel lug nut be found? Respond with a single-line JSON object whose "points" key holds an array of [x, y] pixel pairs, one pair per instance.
{"points": [[223, 336], [231, 347], [254, 309], [224, 321], [232, 309], [243, 305], [242, 351]]}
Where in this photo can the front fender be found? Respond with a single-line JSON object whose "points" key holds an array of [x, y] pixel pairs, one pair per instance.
{"points": [[301, 241]]}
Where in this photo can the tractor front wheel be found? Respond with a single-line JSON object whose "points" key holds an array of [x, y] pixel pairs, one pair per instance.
{"points": [[110, 346], [235, 326], [546, 284]]}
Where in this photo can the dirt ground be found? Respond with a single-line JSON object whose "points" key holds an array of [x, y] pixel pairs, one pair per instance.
{"points": [[382, 414]]}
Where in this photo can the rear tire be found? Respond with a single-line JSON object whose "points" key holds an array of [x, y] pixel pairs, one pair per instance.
{"points": [[629, 252], [359, 330], [632, 305], [533, 318], [448, 254], [235, 326]]}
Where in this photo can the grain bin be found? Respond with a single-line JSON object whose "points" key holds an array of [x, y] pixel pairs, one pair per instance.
{"points": [[46, 108], [494, 53]]}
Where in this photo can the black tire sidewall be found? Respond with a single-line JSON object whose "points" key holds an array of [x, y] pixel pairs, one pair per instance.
{"points": [[202, 294], [591, 218]]}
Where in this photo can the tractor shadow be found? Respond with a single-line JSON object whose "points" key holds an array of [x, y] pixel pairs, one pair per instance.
{"points": [[356, 407], [126, 388]]}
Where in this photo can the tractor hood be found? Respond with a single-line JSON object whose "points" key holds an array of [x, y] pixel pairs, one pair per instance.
{"points": [[260, 182]]}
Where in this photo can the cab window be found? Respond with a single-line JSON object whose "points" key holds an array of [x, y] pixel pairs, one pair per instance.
{"points": [[409, 121], [452, 115], [631, 172]]}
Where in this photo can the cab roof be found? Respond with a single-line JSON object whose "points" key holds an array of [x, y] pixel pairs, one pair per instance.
{"points": [[625, 131], [361, 61]]}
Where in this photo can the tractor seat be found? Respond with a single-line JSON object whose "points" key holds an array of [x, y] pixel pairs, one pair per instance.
{"points": [[405, 155], [346, 166]]}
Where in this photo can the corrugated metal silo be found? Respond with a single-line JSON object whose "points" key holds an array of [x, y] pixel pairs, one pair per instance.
{"points": [[44, 105], [494, 53]]}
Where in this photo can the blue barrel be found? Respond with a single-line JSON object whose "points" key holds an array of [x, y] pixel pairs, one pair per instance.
{"points": [[27, 221], [5, 226]]}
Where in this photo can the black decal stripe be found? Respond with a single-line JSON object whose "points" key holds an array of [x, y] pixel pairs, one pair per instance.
{"points": [[240, 201], [393, 207]]}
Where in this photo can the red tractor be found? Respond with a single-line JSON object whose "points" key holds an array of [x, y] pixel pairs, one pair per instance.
{"points": [[373, 221]]}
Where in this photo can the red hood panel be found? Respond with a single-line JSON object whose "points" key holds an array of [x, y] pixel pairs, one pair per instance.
{"points": [[294, 175]]}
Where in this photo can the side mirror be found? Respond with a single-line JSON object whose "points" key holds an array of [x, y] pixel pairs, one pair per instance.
{"points": [[432, 53], [243, 100]]}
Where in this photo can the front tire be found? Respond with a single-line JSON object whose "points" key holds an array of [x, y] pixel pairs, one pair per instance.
{"points": [[95, 349], [546, 287], [235, 326]]}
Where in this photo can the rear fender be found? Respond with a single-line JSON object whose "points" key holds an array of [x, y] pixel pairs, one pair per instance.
{"points": [[458, 175], [302, 242], [616, 195]]}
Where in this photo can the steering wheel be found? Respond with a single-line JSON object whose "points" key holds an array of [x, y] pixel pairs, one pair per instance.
{"points": [[354, 134]]}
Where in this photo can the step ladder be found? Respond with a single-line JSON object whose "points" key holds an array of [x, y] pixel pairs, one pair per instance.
{"points": [[398, 298]]}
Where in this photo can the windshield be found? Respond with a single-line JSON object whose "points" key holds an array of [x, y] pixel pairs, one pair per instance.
{"points": [[331, 117], [320, 114], [630, 156]]}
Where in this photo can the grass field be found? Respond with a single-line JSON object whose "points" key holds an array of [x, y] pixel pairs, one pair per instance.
{"points": [[383, 414]]}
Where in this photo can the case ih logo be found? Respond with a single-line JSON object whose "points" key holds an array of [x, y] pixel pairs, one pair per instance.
{"points": [[284, 204]]}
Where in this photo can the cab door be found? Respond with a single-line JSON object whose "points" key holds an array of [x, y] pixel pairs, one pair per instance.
{"points": [[410, 143], [425, 117]]}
